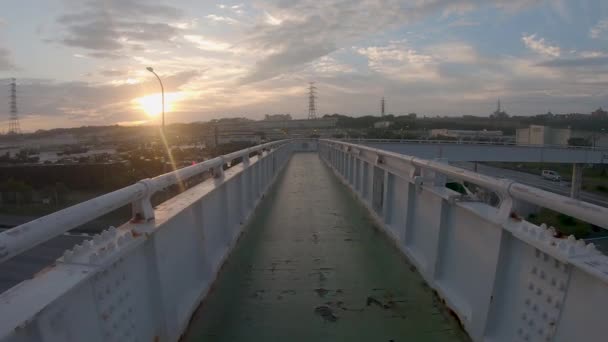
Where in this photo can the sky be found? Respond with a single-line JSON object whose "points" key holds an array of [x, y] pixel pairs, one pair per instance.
{"points": [[83, 62]]}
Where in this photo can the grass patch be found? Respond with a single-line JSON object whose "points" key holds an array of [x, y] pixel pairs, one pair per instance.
{"points": [[564, 224]]}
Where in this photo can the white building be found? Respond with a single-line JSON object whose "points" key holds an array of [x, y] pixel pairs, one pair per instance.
{"points": [[382, 124], [461, 133], [544, 135]]}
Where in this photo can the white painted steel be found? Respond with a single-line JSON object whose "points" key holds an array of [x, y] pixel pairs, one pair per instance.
{"points": [[143, 281], [489, 151], [506, 279], [468, 142], [587, 212], [21, 238]]}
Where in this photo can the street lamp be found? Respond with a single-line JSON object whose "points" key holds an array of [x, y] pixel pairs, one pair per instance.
{"points": [[162, 129], [162, 94]]}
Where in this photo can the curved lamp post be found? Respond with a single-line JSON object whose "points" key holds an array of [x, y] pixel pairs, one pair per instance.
{"points": [[162, 129], [162, 92]]}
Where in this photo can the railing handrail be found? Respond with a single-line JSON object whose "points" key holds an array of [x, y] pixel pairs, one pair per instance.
{"points": [[473, 142], [23, 237], [585, 211]]}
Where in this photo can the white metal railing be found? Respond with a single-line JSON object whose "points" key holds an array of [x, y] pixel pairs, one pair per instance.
{"points": [[21, 238], [506, 279], [587, 212], [469, 142], [143, 280]]}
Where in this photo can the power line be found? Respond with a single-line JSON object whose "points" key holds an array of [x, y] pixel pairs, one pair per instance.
{"points": [[312, 96], [13, 122]]}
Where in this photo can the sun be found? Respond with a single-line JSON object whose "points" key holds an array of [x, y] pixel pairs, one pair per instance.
{"points": [[152, 104]]}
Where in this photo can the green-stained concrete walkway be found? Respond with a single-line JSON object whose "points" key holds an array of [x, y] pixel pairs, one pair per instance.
{"points": [[312, 267]]}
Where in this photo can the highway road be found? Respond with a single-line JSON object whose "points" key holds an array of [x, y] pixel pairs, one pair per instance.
{"points": [[27, 264], [562, 188]]}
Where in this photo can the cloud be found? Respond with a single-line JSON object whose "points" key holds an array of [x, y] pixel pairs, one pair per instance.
{"points": [[397, 61], [455, 75], [330, 66], [316, 28], [203, 43], [516, 5], [112, 73], [461, 22], [599, 29], [595, 61], [270, 20], [539, 45], [282, 44], [221, 19], [107, 28], [6, 62], [71, 104], [236, 9]]}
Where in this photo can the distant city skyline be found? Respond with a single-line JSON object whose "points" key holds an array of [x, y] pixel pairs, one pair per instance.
{"points": [[83, 62]]}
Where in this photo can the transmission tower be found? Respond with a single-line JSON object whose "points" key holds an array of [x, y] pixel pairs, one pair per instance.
{"points": [[382, 107], [13, 122], [312, 95]]}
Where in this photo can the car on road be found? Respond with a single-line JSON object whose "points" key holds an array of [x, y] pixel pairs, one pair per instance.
{"points": [[551, 175]]}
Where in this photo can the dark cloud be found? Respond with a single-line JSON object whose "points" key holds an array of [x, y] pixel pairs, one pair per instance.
{"points": [[109, 27]]}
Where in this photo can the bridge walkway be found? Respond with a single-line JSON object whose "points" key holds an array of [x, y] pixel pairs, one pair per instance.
{"points": [[312, 267]]}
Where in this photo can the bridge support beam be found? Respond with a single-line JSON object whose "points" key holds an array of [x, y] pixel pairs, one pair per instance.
{"points": [[577, 180]]}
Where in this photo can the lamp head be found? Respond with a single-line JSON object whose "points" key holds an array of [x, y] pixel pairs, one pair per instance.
{"points": [[150, 69]]}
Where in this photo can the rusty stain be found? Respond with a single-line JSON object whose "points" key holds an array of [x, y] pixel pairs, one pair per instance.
{"points": [[44, 270], [515, 217], [138, 218]]}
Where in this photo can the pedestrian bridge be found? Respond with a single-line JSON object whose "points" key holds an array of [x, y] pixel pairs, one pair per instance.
{"points": [[313, 240]]}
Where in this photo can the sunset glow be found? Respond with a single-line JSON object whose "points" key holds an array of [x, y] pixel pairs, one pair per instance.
{"points": [[152, 104]]}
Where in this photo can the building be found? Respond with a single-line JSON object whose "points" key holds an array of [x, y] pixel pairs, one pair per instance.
{"points": [[545, 135], [464, 134], [599, 114], [257, 131], [382, 124], [277, 117]]}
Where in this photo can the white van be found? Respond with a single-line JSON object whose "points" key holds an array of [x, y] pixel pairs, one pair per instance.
{"points": [[551, 175]]}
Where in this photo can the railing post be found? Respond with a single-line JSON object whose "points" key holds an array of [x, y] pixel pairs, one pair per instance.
{"points": [[218, 171], [142, 210], [246, 160]]}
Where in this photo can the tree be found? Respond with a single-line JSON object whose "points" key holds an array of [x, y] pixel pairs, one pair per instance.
{"points": [[16, 192], [57, 193], [578, 142]]}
